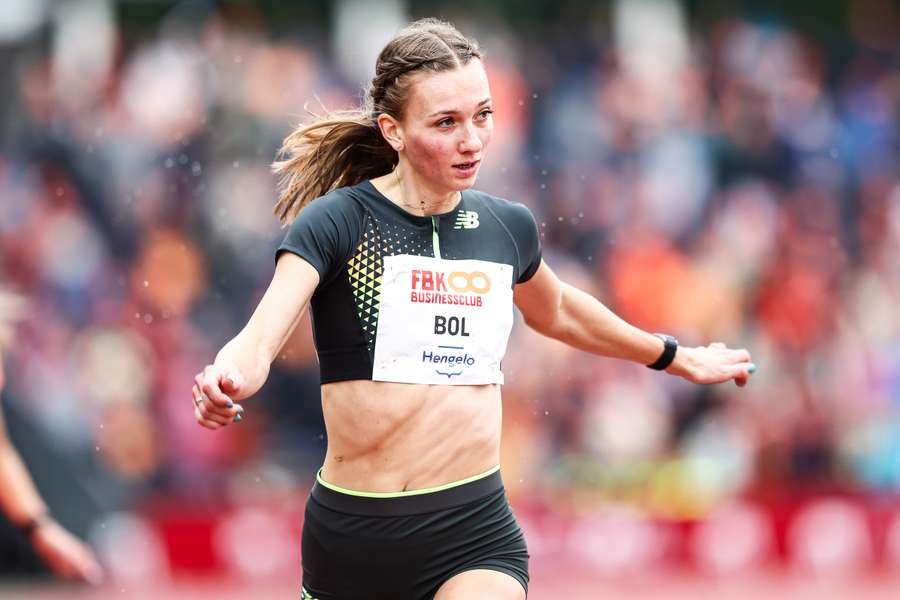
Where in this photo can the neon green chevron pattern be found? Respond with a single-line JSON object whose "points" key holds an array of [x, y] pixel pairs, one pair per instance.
{"points": [[365, 267]]}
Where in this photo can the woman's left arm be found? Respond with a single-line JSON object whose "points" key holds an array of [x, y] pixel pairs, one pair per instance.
{"points": [[560, 311]]}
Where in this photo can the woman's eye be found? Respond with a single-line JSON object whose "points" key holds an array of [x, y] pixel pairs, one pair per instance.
{"points": [[448, 122]]}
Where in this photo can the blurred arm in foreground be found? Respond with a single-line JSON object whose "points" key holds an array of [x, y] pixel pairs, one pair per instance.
{"points": [[62, 552]]}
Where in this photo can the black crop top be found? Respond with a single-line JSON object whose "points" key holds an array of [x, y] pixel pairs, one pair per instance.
{"points": [[346, 234]]}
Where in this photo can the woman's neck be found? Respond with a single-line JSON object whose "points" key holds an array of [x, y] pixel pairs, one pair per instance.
{"points": [[404, 189]]}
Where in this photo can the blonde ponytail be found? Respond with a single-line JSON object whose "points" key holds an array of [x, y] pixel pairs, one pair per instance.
{"points": [[338, 149]]}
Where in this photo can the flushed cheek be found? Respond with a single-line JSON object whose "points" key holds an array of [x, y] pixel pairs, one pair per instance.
{"points": [[432, 157]]}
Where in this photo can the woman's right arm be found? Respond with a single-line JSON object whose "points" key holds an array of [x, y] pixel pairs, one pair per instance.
{"points": [[242, 365]]}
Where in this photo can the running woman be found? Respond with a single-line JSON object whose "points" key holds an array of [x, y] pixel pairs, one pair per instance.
{"points": [[411, 276]]}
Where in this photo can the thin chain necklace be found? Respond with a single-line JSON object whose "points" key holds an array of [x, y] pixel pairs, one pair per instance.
{"points": [[403, 196], [421, 206]]}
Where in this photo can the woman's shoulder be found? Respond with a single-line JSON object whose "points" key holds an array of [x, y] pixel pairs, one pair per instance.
{"points": [[347, 195], [343, 200], [504, 208]]}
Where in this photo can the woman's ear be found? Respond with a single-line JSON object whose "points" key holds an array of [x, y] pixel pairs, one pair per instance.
{"points": [[391, 130]]}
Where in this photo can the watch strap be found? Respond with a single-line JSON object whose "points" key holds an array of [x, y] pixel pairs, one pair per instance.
{"points": [[668, 354]]}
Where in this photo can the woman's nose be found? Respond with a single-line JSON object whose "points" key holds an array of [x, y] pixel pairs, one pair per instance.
{"points": [[471, 141]]}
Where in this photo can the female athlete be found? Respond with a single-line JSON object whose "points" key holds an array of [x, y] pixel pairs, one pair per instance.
{"points": [[411, 276]]}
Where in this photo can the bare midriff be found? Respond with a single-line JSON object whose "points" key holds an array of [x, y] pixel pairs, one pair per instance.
{"points": [[394, 437]]}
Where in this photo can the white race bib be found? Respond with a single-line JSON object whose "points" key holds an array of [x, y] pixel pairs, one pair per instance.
{"points": [[442, 321]]}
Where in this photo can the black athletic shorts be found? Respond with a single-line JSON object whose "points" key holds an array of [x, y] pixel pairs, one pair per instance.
{"points": [[404, 546]]}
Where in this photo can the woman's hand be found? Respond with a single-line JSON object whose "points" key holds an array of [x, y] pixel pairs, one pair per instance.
{"points": [[242, 365], [712, 364], [64, 554], [212, 392]]}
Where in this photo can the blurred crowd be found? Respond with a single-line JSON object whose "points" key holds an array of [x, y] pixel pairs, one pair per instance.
{"points": [[735, 182]]}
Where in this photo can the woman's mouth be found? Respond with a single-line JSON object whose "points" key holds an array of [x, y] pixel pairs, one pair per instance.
{"points": [[466, 169]]}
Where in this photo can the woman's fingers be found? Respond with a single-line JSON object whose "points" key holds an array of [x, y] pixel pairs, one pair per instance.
{"points": [[203, 414], [741, 355], [210, 385], [733, 355], [201, 420], [226, 408], [716, 363], [742, 373], [208, 413]]}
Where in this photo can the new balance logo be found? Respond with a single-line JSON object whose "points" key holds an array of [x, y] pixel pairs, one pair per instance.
{"points": [[466, 219]]}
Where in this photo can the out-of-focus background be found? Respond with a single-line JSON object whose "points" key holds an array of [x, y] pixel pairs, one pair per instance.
{"points": [[723, 171]]}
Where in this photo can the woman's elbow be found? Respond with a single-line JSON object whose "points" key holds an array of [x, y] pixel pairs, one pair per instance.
{"points": [[543, 322]]}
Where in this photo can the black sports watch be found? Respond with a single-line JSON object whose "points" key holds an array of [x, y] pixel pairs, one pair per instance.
{"points": [[668, 354]]}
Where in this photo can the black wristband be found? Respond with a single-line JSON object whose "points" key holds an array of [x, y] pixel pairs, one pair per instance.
{"points": [[668, 354]]}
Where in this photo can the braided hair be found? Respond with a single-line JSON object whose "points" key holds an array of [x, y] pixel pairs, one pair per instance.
{"points": [[344, 148]]}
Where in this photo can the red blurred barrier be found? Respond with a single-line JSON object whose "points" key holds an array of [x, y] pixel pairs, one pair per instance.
{"points": [[831, 534]]}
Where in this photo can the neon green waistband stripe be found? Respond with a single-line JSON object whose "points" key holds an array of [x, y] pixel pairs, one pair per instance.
{"points": [[439, 488]]}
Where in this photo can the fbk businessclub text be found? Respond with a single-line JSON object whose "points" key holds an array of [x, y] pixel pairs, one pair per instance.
{"points": [[436, 286]]}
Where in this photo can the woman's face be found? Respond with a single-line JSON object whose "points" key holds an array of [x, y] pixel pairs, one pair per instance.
{"points": [[447, 125]]}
